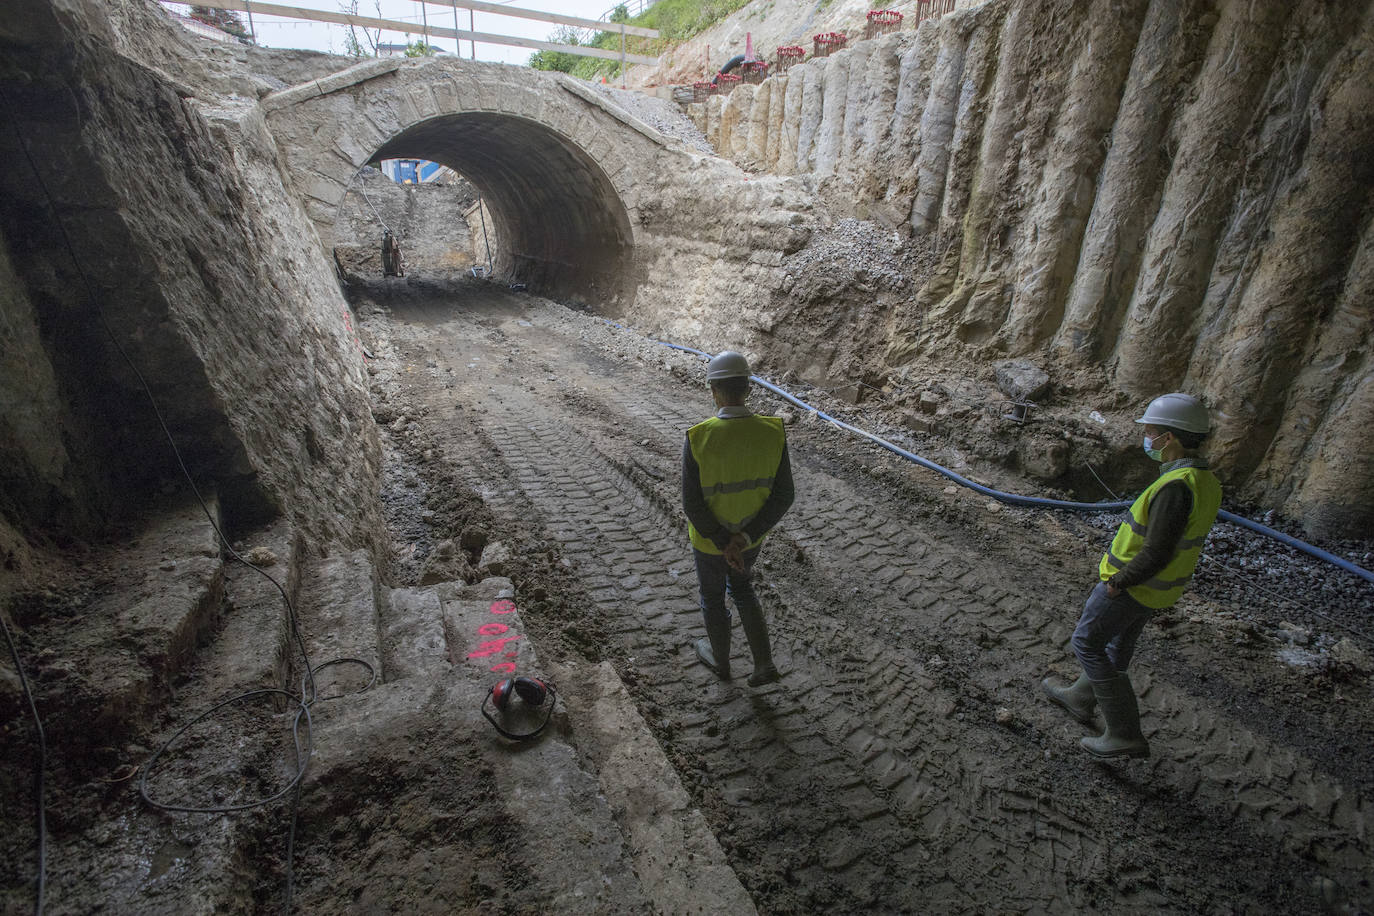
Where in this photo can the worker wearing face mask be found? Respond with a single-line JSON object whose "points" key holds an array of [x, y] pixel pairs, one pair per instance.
{"points": [[1145, 570]]}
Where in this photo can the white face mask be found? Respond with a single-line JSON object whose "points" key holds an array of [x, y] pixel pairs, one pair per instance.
{"points": [[1156, 454]]}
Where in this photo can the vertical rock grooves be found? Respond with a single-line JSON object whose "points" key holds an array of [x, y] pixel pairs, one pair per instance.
{"points": [[1177, 191]]}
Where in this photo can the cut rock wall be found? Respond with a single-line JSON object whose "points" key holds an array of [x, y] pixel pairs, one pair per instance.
{"points": [[1178, 192], [206, 271]]}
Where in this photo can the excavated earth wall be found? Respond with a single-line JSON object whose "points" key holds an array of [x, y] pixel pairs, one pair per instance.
{"points": [[427, 220], [1178, 193]]}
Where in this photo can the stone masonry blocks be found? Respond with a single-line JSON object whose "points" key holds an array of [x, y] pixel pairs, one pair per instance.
{"points": [[422, 97]]}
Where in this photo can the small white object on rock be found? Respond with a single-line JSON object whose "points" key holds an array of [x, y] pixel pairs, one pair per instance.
{"points": [[1004, 716], [261, 556], [1294, 633]]}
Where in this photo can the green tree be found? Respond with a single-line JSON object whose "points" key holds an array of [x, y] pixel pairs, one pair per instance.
{"points": [[418, 48], [561, 61], [224, 20]]}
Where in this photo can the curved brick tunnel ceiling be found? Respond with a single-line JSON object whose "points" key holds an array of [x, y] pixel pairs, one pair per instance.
{"points": [[559, 224]]}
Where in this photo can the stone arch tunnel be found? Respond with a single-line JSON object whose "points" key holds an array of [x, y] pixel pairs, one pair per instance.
{"points": [[559, 222], [561, 190]]}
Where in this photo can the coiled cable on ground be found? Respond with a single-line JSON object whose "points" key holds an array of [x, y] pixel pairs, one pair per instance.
{"points": [[1035, 501]]}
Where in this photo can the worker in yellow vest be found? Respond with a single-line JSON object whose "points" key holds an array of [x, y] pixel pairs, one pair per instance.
{"points": [[736, 485], [1145, 570]]}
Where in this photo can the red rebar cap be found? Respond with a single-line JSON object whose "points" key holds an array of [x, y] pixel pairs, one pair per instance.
{"points": [[884, 17], [791, 51], [830, 38]]}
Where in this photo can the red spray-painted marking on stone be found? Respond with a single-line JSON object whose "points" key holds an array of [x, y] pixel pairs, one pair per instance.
{"points": [[492, 646], [498, 646]]}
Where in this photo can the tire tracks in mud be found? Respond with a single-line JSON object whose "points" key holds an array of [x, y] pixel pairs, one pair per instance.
{"points": [[877, 773]]}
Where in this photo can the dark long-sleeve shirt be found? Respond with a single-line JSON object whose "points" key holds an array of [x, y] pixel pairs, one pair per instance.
{"points": [[1168, 519], [699, 513]]}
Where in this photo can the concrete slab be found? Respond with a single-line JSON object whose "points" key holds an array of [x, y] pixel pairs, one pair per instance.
{"points": [[483, 630], [251, 649], [413, 641], [674, 852], [338, 619]]}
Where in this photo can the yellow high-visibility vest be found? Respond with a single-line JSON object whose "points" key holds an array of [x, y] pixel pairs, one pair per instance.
{"points": [[1168, 584], [737, 460]]}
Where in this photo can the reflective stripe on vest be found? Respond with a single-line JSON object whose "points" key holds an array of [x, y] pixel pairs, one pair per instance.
{"points": [[736, 460], [1167, 585]]}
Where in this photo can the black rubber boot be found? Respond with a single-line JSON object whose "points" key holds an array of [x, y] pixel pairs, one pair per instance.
{"points": [[756, 632], [1122, 737], [1076, 699]]}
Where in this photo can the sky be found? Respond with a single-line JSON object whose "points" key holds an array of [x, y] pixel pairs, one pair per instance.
{"points": [[276, 32]]}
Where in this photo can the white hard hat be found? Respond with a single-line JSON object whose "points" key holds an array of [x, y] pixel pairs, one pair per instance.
{"points": [[727, 364], [1179, 410]]}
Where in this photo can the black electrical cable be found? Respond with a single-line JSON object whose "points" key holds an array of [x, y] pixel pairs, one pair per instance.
{"points": [[308, 687], [38, 775]]}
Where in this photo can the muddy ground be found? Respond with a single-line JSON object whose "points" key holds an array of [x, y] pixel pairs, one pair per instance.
{"points": [[906, 762]]}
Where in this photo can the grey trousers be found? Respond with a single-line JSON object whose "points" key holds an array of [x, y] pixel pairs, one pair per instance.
{"points": [[1105, 637], [715, 579]]}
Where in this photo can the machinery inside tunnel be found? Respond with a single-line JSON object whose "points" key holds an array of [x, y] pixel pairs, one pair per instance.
{"points": [[559, 225]]}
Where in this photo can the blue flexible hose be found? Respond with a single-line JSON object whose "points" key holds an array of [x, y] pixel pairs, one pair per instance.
{"points": [[1016, 500]]}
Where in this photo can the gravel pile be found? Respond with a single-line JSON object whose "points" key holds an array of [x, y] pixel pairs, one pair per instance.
{"points": [[1270, 584], [853, 247], [662, 115]]}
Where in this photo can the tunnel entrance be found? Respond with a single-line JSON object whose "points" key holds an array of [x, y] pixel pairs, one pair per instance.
{"points": [[552, 218]]}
